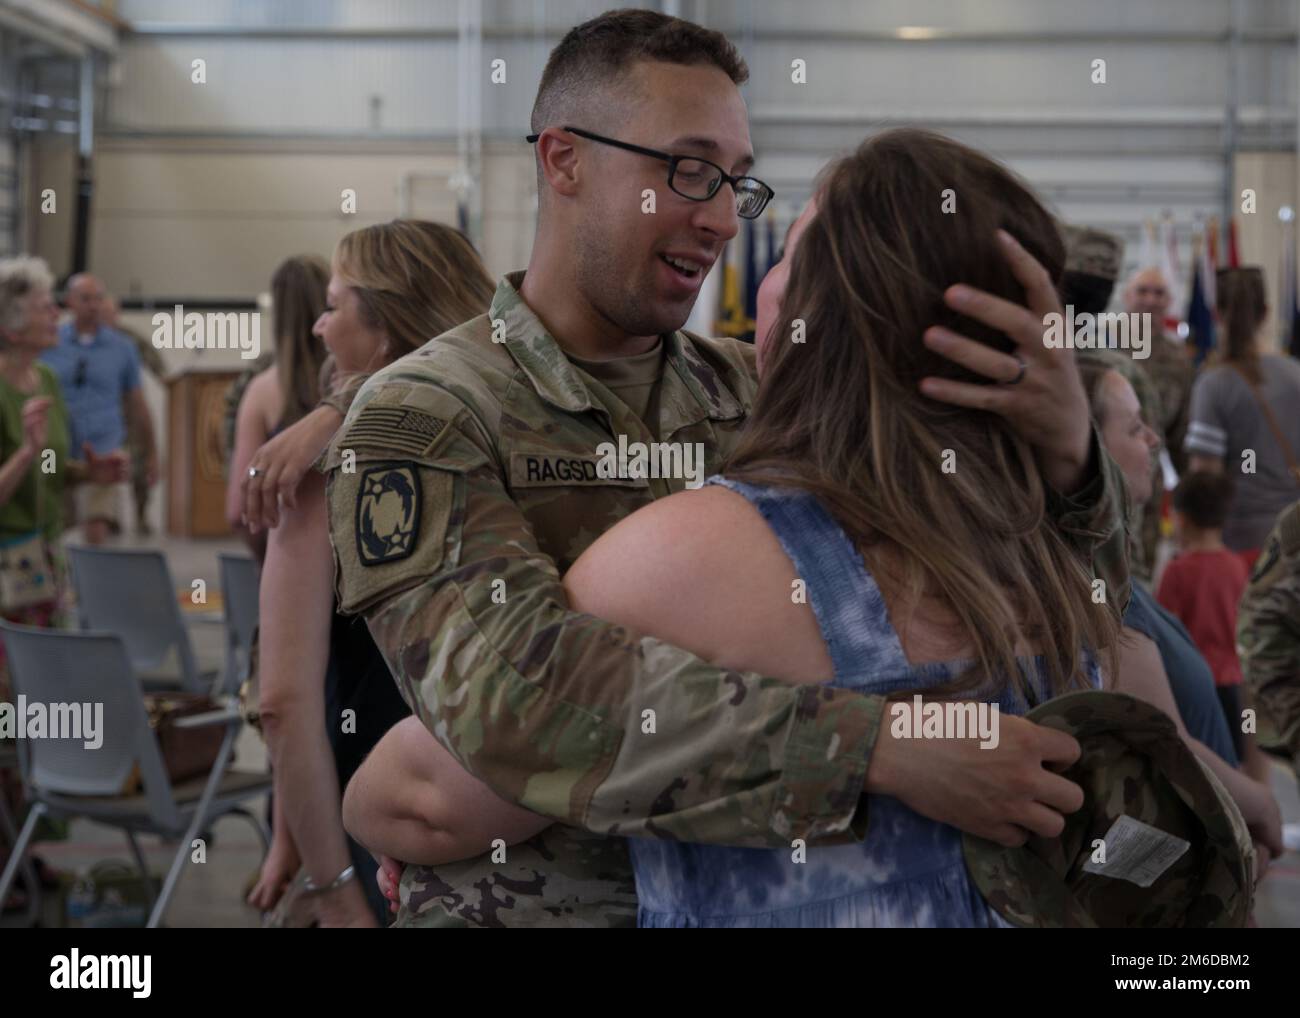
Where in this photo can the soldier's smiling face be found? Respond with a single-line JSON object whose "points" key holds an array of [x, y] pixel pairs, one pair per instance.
{"points": [[622, 248]]}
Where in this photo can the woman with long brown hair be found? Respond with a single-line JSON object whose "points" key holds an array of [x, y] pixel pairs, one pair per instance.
{"points": [[323, 683], [1243, 417], [278, 397]]}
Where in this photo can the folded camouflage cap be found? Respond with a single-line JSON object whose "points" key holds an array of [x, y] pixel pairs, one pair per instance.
{"points": [[1094, 252], [1158, 841]]}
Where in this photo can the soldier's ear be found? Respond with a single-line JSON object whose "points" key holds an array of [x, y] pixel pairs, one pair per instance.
{"points": [[558, 157]]}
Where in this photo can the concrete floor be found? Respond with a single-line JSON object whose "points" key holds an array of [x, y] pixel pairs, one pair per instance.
{"points": [[211, 895]]}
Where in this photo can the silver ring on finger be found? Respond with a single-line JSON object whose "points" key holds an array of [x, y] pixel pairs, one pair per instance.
{"points": [[254, 471], [1019, 375]]}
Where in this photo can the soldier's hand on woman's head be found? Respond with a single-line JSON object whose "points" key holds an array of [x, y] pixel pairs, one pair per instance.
{"points": [[1041, 394]]}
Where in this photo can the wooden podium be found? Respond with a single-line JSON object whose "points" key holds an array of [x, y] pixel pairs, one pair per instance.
{"points": [[196, 453]]}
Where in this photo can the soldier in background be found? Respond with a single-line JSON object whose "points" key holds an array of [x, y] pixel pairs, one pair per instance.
{"points": [[1092, 263], [137, 443], [1268, 634], [1169, 373], [1170, 370]]}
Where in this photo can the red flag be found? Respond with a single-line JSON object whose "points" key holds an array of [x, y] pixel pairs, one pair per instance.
{"points": [[1233, 261]]}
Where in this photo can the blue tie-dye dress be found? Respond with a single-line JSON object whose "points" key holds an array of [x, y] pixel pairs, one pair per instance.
{"points": [[909, 870]]}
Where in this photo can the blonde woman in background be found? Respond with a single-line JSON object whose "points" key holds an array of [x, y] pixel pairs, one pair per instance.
{"points": [[392, 287]]}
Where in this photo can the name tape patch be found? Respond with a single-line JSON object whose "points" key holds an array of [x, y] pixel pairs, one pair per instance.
{"points": [[531, 470]]}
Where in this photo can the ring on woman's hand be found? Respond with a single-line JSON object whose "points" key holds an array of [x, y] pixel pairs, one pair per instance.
{"points": [[1019, 377], [254, 471]]}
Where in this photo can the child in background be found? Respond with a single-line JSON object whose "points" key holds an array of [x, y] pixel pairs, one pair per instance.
{"points": [[1204, 584]]}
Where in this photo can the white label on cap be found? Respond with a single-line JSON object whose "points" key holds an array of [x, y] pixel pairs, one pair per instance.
{"points": [[1137, 852]]}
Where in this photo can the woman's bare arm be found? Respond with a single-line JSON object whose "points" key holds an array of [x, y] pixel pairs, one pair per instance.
{"points": [[297, 605], [250, 434], [412, 801]]}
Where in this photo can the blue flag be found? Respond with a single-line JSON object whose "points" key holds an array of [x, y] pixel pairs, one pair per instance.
{"points": [[751, 275], [1200, 316]]}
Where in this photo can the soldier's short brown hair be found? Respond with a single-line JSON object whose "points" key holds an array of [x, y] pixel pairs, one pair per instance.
{"points": [[594, 55]]}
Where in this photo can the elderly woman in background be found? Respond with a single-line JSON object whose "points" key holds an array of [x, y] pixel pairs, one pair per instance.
{"points": [[35, 461]]}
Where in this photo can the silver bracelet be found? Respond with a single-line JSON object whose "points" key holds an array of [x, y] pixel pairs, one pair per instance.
{"points": [[348, 874]]}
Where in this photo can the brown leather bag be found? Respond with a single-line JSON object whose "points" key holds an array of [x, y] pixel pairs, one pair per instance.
{"points": [[186, 752]]}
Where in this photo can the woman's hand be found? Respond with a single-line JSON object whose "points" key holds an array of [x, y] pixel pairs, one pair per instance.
{"points": [[110, 469], [389, 878], [1047, 405], [36, 416], [281, 464], [278, 870]]}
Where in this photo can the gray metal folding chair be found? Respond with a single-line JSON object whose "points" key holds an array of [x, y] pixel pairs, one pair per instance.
{"points": [[239, 587], [64, 778], [9, 834], [131, 593]]}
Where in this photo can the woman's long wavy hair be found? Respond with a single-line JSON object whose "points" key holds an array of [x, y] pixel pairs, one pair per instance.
{"points": [[297, 300], [415, 280], [1242, 304], [840, 414]]}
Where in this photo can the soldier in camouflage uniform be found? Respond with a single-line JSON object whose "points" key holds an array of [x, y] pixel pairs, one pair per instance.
{"points": [[1268, 633], [468, 476]]}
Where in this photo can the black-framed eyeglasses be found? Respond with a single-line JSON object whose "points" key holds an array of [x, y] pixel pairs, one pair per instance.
{"points": [[693, 178]]}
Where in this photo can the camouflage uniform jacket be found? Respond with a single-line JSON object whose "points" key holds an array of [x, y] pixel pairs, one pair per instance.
{"points": [[1268, 631], [474, 484]]}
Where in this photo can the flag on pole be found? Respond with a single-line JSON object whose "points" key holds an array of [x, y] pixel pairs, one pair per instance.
{"points": [[1288, 300], [1148, 253], [731, 313], [1168, 264], [1211, 263], [752, 277], [1200, 310]]}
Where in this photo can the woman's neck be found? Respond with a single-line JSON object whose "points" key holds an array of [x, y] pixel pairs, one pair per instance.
{"points": [[16, 368]]}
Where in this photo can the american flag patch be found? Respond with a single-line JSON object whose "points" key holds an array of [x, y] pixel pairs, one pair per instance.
{"points": [[396, 429]]}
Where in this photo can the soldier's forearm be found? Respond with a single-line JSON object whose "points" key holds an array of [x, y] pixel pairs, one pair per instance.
{"points": [[578, 720]]}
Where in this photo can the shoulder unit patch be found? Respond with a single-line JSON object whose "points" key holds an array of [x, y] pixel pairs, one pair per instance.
{"points": [[388, 514]]}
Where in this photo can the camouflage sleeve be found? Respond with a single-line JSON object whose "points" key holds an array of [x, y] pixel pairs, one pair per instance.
{"points": [[545, 705], [1268, 633], [1093, 520]]}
